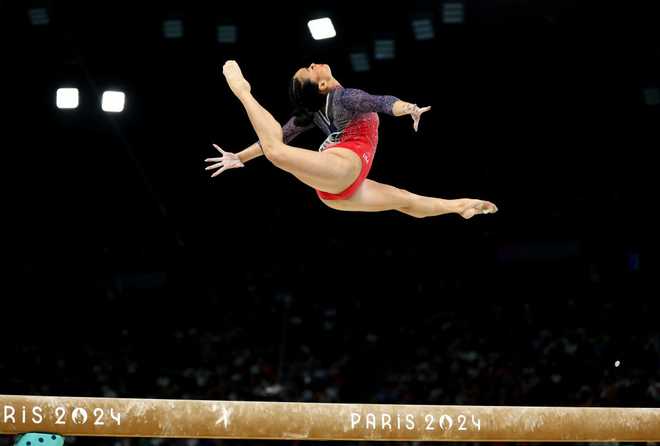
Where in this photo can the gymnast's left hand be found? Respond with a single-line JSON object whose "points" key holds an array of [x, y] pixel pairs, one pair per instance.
{"points": [[417, 114], [228, 160]]}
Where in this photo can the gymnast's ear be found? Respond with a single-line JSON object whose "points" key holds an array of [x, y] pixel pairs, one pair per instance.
{"points": [[323, 87]]}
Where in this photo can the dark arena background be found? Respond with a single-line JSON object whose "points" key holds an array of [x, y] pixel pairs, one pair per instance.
{"points": [[129, 272]]}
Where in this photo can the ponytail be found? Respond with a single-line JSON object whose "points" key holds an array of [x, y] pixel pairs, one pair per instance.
{"points": [[306, 100]]}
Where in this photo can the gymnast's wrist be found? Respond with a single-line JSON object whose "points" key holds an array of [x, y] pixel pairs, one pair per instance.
{"points": [[402, 108]]}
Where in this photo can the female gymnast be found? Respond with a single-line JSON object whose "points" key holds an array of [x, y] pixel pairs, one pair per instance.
{"points": [[338, 171]]}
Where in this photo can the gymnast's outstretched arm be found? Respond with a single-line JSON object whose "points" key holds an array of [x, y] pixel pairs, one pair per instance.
{"points": [[360, 101], [229, 160]]}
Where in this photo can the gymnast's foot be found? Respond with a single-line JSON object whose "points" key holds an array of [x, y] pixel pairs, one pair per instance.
{"points": [[239, 86], [468, 208]]}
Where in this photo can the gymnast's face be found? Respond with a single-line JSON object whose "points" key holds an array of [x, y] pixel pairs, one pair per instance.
{"points": [[318, 73]]}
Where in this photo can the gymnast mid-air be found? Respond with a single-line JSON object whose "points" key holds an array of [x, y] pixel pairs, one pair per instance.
{"points": [[338, 171]]}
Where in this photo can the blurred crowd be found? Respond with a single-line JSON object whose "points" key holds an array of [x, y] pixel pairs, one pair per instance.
{"points": [[503, 354]]}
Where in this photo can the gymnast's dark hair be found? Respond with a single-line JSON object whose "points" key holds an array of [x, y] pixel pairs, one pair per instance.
{"points": [[306, 100]]}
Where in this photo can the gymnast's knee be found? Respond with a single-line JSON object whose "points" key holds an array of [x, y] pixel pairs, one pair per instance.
{"points": [[274, 151]]}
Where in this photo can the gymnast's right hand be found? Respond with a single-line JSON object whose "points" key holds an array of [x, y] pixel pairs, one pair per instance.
{"points": [[228, 160]]}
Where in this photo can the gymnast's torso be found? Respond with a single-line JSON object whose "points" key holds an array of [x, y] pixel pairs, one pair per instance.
{"points": [[348, 113]]}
